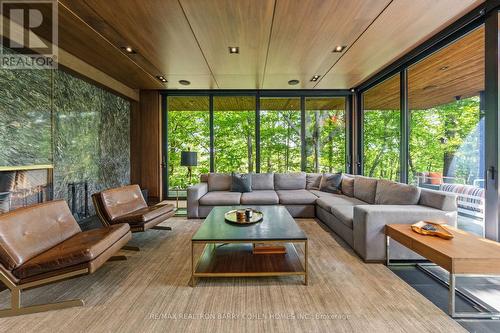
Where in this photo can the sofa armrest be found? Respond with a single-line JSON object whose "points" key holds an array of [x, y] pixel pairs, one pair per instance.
{"points": [[438, 199], [194, 193], [369, 223]]}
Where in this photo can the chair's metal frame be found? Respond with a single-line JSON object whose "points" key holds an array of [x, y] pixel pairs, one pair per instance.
{"points": [[17, 309]]}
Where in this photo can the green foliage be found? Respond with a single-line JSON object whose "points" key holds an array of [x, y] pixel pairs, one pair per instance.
{"points": [[325, 141], [443, 139], [234, 140], [381, 143], [280, 141], [446, 139]]}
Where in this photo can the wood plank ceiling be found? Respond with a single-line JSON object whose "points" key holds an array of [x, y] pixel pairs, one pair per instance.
{"points": [[455, 71], [278, 40]]}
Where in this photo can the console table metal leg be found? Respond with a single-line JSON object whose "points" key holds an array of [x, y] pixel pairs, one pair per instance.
{"points": [[451, 295], [192, 281], [387, 258], [305, 264]]}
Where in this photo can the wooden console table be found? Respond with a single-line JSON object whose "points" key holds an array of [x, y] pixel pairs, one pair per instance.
{"points": [[464, 255]]}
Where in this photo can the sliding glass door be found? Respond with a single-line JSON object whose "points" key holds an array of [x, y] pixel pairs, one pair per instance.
{"points": [[381, 130], [446, 125]]}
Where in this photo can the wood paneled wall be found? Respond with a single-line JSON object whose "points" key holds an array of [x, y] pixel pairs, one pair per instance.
{"points": [[145, 143]]}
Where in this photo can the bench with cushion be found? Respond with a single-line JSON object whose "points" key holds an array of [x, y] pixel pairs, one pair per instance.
{"points": [[43, 243], [358, 213]]}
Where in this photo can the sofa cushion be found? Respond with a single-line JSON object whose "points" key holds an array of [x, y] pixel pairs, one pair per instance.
{"points": [[146, 214], [331, 182], [219, 182], [220, 198], [241, 182], [365, 188], [296, 197], [344, 213], [262, 181], [392, 193], [327, 202], [290, 181], [347, 186], [82, 247], [260, 197], [313, 181], [320, 194]]}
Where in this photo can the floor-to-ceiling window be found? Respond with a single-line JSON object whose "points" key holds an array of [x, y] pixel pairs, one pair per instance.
{"points": [[381, 129], [226, 133], [280, 143], [188, 130], [234, 133], [325, 123], [446, 129]]}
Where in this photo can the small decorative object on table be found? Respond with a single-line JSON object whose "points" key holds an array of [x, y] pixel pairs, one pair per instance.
{"points": [[244, 216], [431, 229]]}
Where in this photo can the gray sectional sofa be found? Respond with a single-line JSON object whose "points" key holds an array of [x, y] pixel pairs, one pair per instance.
{"points": [[358, 214]]}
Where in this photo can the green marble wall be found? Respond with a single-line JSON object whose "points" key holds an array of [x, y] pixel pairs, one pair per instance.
{"points": [[25, 117], [92, 140], [52, 117]]}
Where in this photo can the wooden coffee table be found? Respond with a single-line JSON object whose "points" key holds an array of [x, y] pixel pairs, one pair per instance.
{"points": [[465, 255], [228, 248]]}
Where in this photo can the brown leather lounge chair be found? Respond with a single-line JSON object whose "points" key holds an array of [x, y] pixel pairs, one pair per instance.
{"points": [[127, 205], [43, 243]]}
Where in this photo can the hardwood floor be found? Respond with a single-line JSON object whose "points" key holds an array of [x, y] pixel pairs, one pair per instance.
{"points": [[150, 292]]}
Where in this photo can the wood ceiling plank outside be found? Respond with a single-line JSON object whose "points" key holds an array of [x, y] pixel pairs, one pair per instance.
{"points": [[401, 27]]}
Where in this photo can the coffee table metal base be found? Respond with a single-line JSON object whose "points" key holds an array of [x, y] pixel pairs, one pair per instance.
{"points": [[236, 259]]}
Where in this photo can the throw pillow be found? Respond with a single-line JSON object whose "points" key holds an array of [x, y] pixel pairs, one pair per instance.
{"points": [[241, 182], [331, 182], [313, 180], [347, 185]]}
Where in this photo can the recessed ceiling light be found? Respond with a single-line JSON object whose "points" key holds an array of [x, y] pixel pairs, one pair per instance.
{"points": [[443, 68], [234, 50], [161, 78], [315, 78], [353, 90], [339, 48], [184, 82], [293, 82], [128, 49]]}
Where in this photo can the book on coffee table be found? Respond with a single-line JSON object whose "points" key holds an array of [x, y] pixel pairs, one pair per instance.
{"points": [[268, 249]]}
